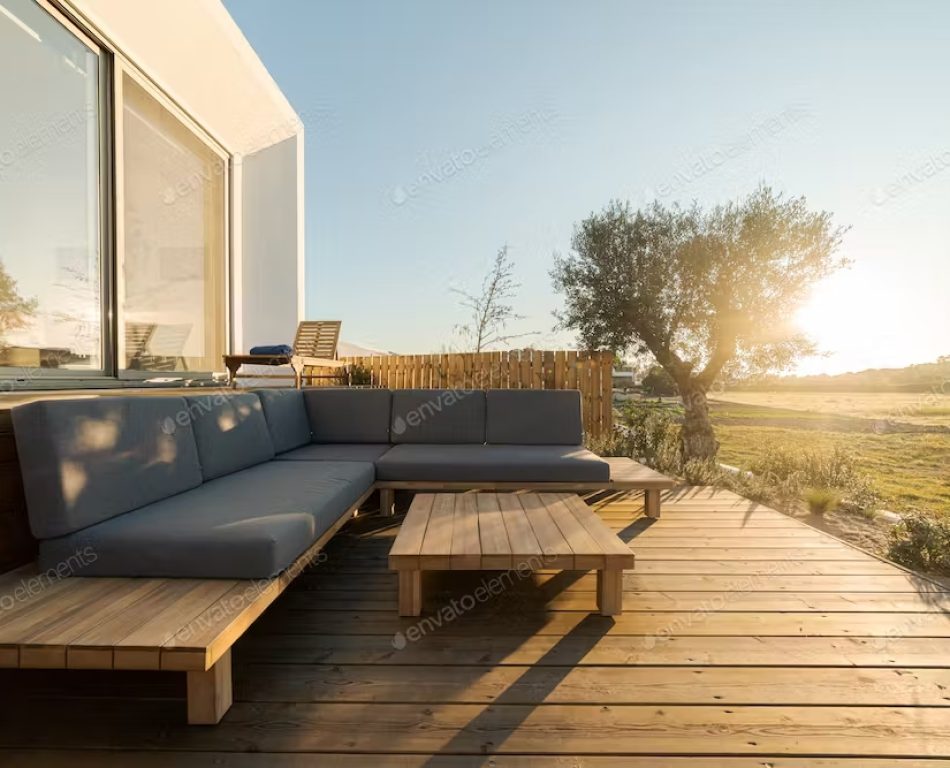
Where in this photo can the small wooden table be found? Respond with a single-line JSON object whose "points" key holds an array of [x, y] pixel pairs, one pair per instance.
{"points": [[506, 531]]}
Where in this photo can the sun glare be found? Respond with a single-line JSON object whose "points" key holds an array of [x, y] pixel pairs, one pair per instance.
{"points": [[850, 317]]}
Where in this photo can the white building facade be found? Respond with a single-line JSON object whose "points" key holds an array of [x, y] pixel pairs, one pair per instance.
{"points": [[151, 194]]}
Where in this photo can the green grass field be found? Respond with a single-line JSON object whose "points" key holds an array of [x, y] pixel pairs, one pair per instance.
{"points": [[910, 467], [920, 408]]}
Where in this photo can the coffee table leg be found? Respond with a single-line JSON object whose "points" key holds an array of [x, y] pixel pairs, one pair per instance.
{"points": [[410, 593], [651, 503], [610, 592]]}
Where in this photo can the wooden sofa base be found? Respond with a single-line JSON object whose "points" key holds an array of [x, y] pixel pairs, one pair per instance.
{"points": [[626, 475], [182, 625]]}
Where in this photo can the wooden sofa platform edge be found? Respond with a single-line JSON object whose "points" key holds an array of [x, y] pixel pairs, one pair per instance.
{"points": [[185, 625], [625, 475]]}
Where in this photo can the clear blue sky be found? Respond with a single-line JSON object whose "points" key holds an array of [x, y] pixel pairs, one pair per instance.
{"points": [[439, 131]]}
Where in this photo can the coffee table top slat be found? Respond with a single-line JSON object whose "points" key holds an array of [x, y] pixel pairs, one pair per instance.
{"points": [[555, 548], [408, 544], [435, 553], [498, 531], [466, 543], [588, 552], [616, 551], [521, 539], [496, 550]]}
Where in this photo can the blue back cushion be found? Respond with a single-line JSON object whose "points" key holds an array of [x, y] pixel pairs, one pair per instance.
{"points": [[534, 417], [348, 415], [438, 416], [286, 417], [88, 460], [230, 432]]}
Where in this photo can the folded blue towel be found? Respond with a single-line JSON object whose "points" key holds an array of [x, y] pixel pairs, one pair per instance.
{"points": [[272, 349]]}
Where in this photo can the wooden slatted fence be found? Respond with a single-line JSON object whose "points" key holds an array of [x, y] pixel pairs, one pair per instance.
{"points": [[590, 372]]}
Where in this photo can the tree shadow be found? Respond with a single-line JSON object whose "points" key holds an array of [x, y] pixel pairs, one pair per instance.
{"points": [[541, 678]]}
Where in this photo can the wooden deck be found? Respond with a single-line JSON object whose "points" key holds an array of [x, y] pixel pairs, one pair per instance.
{"points": [[747, 639]]}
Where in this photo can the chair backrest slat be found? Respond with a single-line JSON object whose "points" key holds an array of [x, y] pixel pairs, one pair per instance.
{"points": [[317, 338]]}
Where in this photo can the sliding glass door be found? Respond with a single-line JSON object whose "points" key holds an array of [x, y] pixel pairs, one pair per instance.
{"points": [[172, 239], [51, 266], [113, 215]]}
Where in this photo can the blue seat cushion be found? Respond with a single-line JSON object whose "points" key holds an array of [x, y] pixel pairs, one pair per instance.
{"points": [[348, 415], [286, 417], [534, 417], [230, 431], [247, 525], [438, 416], [492, 463], [336, 452], [84, 461]]}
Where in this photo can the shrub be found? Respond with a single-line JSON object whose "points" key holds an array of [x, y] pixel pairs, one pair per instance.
{"points": [[922, 542], [649, 433], [659, 383], [653, 434], [821, 500], [360, 376], [699, 472], [791, 473]]}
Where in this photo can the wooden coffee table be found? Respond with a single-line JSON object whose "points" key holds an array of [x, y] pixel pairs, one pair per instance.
{"points": [[504, 531]]}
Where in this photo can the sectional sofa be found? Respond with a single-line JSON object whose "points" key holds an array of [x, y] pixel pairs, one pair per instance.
{"points": [[240, 485]]}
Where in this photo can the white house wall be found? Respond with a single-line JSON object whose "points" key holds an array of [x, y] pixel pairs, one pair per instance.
{"points": [[269, 275]]}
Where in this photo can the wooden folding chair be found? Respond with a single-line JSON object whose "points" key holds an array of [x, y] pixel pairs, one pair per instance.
{"points": [[315, 346]]}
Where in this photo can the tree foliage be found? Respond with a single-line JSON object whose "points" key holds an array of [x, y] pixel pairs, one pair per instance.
{"points": [[490, 311], [706, 293]]}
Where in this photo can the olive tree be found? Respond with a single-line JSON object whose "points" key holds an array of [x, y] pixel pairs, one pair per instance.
{"points": [[705, 292]]}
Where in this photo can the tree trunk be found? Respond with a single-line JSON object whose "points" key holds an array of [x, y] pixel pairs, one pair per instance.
{"points": [[697, 439]]}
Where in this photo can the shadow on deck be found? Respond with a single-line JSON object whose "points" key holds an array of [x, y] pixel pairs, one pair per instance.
{"points": [[748, 639]]}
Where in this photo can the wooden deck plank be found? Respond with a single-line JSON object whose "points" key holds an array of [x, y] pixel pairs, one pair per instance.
{"points": [[582, 600], [486, 650], [770, 554], [184, 759], [467, 729], [896, 582], [513, 684]]}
